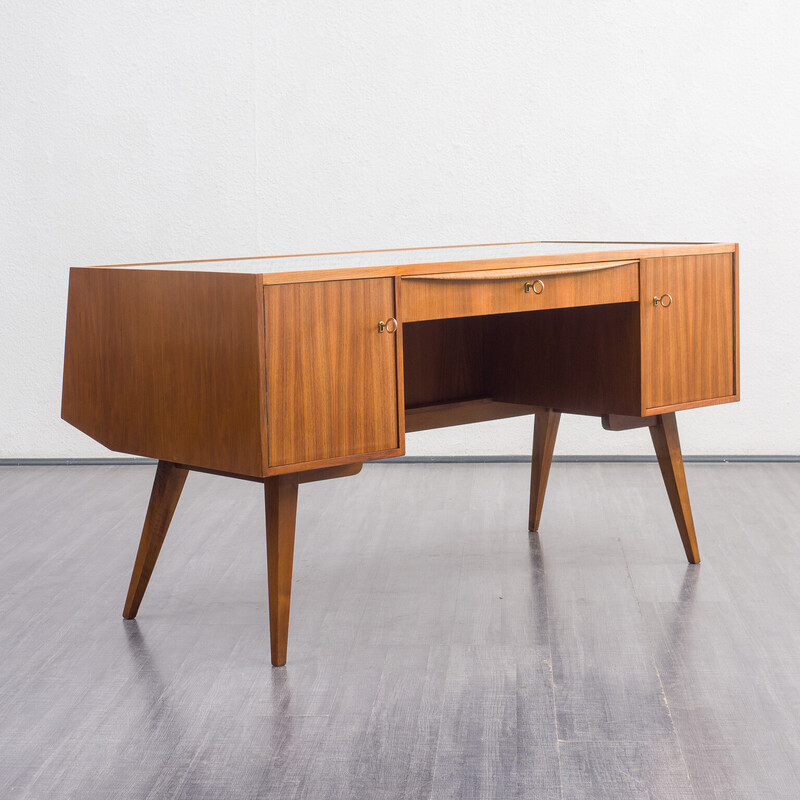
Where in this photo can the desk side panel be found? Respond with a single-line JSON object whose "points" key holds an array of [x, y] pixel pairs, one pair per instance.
{"points": [[167, 365]]}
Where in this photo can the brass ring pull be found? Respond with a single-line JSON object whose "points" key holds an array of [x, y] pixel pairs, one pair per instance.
{"points": [[537, 287], [390, 326], [665, 300]]}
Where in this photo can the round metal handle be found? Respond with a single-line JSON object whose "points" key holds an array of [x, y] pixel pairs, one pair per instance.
{"points": [[537, 287], [665, 300], [390, 326]]}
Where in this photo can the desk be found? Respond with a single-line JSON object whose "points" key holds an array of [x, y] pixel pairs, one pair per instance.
{"points": [[303, 374]]}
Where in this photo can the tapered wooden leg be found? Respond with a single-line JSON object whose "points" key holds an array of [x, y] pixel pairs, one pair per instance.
{"points": [[668, 451], [280, 496], [545, 428], [167, 488]]}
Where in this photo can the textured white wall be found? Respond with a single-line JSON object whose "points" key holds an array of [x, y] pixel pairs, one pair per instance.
{"points": [[152, 130]]}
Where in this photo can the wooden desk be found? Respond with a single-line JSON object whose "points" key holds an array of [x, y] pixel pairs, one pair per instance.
{"points": [[302, 375]]}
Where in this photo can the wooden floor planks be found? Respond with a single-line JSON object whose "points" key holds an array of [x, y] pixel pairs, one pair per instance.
{"points": [[436, 650]]}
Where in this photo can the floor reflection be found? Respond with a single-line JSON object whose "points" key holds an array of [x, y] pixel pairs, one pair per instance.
{"points": [[537, 568], [148, 677]]}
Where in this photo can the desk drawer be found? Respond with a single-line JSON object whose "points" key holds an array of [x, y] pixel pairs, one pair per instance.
{"points": [[504, 291]]}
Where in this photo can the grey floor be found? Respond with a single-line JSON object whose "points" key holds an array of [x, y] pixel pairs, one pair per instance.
{"points": [[436, 648]]}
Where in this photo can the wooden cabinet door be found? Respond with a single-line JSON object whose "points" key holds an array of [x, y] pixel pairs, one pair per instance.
{"points": [[332, 376], [689, 336]]}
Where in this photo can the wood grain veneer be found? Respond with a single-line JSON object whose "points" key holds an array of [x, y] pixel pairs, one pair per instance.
{"points": [[465, 412], [688, 348], [577, 256], [577, 360], [167, 487], [332, 384], [456, 294], [167, 365], [280, 503], [520, 272], [545, 429], [287, 378], [670, 460], [445, 360]]}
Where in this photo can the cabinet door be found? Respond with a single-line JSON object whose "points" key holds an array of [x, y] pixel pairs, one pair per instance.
{"points": [[332, 376], [688, 336]]}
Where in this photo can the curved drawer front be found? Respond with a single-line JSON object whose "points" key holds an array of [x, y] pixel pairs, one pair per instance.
{"points": [[504, 291]]}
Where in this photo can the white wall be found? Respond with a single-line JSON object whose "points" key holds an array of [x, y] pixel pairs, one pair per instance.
{"points": [[152, 130]]}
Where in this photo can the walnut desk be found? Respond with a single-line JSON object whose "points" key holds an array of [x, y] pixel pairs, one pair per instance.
{"points": [[283, 377]]}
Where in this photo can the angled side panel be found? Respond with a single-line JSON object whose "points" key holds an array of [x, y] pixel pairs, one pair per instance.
{"points": [[166, 364]]}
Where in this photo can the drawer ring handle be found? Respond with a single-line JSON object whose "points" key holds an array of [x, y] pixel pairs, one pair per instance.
{"points": [[665, 300], [537, 287], [390, 326]]}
